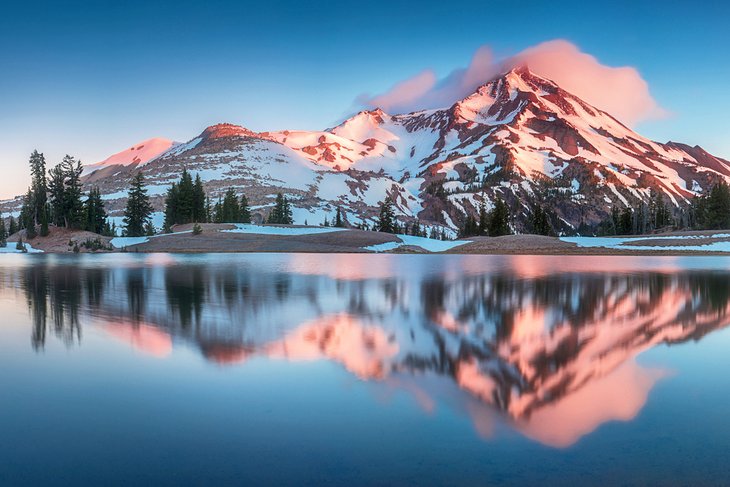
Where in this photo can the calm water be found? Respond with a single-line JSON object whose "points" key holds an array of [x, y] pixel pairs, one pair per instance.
{"points": [[364, 369]]}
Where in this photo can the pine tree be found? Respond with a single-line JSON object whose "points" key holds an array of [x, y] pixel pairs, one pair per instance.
{"points": [[286, 212], [245, 211], [717, 211], [198, 213], [218, 211], [208, 210], [171, 208], [615, 220], [3, 233], [64, 189], [626, 222], [95, 217], [56, 189], [38, 185], [72, 204], [27, 218], [12, 226], [540, 222], [415, 229], [228, 210], [281, 213], [149, 228], [470, 227], [185, 199], [483, 226], [499, 219], [338, 218], [44, 222], [386, 220], [138, 211]]}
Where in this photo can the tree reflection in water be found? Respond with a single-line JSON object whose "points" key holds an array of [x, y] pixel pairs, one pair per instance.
{"points": [[553, 353]]}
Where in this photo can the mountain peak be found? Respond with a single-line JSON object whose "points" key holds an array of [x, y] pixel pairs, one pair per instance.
{"points": [[226, 130]]}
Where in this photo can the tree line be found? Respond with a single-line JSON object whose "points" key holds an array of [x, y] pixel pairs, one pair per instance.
{"points": [[55, 197]]}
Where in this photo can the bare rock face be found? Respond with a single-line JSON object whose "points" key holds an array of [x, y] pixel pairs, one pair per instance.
{"points": [[519, 137]]}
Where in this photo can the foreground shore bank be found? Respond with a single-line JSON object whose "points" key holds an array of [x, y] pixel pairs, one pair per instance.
{"points": [[232, 238]]}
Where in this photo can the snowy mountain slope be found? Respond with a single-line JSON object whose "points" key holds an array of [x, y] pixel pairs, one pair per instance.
{"points": [[520, 137], [137, 155], [229, 156]]}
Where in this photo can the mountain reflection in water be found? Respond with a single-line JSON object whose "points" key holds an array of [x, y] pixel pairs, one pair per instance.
{"points": [[499, 339]]}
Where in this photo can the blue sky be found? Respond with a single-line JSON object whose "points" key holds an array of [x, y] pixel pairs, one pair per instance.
{"points": [[92, 78]]}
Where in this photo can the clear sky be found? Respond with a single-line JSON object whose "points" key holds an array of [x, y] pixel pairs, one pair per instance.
{"points": [[92, 78]]}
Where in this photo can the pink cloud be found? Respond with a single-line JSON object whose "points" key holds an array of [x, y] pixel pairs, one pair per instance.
{"points": [[620, 91]]}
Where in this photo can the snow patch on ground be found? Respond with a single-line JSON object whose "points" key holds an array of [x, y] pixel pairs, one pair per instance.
{"points": [[10, 249], [619, 242], [266, 230], [121, 242], [428, 244]]}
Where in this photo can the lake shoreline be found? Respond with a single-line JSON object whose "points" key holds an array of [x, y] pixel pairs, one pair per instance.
{"points": [[232, 238]]}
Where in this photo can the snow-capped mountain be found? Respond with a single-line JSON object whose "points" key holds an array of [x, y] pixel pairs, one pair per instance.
{"points": [[520, 137]]}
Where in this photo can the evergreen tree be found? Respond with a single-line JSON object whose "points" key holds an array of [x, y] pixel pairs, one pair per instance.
{"points": [[470, 228], [185, 199], [717, 208], [386, 220], [149, 228], [38, 185], [64, 188], [171, 208], [3, 232], [57, 189], [218, 211], [286, 212], [95, 217], [615, 220], [73, 206], [208, 210], [245, 211], [415, 229], [499, 219], [281, 213], [198, 213], [27, 218], [626, 222], [137, 213], [540, 221], [186, 202], [483, 226], [338, 218], [12, 226], [228, 210], [44, 222]]}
